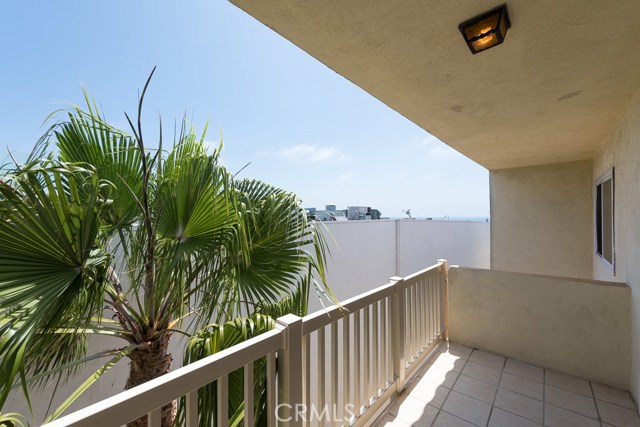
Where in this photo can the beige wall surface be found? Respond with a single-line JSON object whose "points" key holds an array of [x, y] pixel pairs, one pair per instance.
{"points": [[622, 151], [579, 327], [541, 219]]}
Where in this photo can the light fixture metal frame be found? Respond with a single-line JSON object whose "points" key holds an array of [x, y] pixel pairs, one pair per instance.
{"points": [[503, 14]]}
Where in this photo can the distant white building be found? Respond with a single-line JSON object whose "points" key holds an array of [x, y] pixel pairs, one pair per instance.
{"points": [[352, 213]]}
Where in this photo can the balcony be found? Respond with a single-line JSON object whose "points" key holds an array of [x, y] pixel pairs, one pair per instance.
{"points": [[524, 350]]}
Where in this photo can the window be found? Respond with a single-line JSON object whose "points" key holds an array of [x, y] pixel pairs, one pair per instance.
{"points": [[604, 219]]}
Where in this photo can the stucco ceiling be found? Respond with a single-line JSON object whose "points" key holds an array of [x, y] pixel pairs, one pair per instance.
{"points": [[552, 92]]}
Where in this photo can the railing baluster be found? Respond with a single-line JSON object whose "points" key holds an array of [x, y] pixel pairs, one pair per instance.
{"points": [[414, 318], [416, 338], [367, 358], [334, 373], [442, 280], [421, 314], [356, 363], [438, 293], [290, 368], [425, 298], [433, 311], [154, 418], [375, 349], [271, 390], [248, 396], [321, 374], [429, 323], [434, 307], [191, 409], [424, 312], [346, 379], [445, 299], [398, 336], [306, 378], [407, 323], [411, 325], [223, 401], [383, 342], [390, 338]]}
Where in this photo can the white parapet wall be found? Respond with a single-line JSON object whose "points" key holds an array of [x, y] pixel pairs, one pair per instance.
{"points": [[364, 254], [579, 327]]}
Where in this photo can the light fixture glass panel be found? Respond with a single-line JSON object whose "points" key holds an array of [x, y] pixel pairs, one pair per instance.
{"points": [[485, 42], [482, 27]]}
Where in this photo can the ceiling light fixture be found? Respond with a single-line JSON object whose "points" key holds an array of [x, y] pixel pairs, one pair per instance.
{"points": [[486, 30]]}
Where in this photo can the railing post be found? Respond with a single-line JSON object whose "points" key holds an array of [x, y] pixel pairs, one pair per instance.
{"points": [[445, 272], [290, 371], [398, 312]]}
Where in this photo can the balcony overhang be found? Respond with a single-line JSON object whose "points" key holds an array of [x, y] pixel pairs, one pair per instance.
{"points": [[552, 92]]}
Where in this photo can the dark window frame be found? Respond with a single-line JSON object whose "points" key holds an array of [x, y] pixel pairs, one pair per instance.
{"points": [[604, 219]]}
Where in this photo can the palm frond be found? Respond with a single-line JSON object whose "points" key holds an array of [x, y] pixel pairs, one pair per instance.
{"points": [[91, 380], [11, 419], [86, 138], [281, 239], [51, 272]]}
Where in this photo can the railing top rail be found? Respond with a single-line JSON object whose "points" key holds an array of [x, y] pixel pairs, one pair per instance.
{"points": [[320, 318], [417, 276], [138, 401]]}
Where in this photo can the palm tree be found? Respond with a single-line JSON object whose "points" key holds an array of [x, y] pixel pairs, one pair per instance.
{"points": [[101, 236]]}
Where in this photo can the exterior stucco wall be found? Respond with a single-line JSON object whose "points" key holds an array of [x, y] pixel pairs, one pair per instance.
{"points": [[541, 219], [580, 327], [622, 151]]}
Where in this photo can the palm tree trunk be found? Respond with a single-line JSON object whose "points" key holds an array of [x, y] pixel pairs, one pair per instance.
{"points": [[148, 362]]}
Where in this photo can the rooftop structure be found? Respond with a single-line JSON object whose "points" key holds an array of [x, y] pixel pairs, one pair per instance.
{"points": [[352, 213]]}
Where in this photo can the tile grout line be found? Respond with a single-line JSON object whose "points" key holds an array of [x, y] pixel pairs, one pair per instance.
{"points": [[571, 410], [612, 403], [440, 409], [568, 409], [504, 364], [526, 378], [567, 389], [545, 403], [498, 385], [593, 395]]}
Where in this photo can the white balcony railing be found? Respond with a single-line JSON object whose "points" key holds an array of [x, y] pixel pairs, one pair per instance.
{"points": [[351, 359]]}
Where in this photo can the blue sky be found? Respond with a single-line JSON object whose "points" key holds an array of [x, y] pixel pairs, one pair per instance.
{"points": [[302, 126]]}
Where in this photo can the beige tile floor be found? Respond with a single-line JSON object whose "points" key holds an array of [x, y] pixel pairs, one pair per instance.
{"points": [[461, 387]]}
